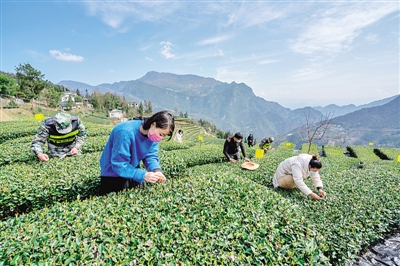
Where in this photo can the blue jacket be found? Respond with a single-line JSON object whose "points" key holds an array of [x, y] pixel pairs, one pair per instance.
{"points": [[124, 150]]}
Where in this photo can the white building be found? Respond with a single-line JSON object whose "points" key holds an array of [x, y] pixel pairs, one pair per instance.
{"points": [[66, 95], [132, 104], [115, 114]]}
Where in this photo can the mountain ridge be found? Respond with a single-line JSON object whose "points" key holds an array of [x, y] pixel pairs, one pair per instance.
{"points": [[73, 85], [230, 106]]}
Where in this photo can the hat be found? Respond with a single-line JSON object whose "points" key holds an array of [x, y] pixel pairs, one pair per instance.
{"points": [[63, 123], [272, 139], [238, 135], [250, 165]]}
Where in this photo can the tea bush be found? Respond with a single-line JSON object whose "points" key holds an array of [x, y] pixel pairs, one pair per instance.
{"points": [[209, 212]]}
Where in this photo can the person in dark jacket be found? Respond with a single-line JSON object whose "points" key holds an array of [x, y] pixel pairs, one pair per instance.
{"points": [[232, 147], [65, 134], [250, 140]]}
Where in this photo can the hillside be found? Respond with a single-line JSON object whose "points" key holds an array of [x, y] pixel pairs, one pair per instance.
{"points": [[14, 114], [230, 106], [346, 109], [379, 125]]}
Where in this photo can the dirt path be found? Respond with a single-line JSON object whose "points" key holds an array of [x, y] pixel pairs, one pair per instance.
{"points": [[14, 114], [4, 116]]}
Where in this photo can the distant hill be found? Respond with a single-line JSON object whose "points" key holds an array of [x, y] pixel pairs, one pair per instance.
{"points": [[74, 85], [379, 125], [230, 106], [345, 109], [191, 84]]}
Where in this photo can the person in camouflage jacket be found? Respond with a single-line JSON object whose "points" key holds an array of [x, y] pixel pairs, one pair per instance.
{"points": [[267, 143], [64, 133]]}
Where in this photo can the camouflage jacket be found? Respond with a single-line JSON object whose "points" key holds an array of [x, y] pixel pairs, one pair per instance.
{"points": [[59, 145], [265, 144]]}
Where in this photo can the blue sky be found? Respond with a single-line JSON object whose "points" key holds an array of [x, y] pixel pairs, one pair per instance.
{"points": [[296, 53]]}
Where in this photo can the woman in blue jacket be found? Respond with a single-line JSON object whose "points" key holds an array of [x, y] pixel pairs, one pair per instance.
{"points": [[130, 143]]}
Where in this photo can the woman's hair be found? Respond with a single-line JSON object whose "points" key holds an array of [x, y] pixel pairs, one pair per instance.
{"points": [[314, 162], [163, 120]]}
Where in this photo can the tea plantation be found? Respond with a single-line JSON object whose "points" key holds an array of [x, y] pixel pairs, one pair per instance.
{"points": [[209, 212]]}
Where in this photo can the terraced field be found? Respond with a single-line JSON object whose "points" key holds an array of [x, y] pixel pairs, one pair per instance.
{"points": [[209, 212]]}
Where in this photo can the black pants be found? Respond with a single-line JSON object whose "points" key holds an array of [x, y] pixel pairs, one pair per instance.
{"points": [[235, 156], [115, 184]]}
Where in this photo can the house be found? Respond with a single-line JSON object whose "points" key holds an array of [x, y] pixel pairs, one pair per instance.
{"points": [[132, 104], [115, 114], [66, 95], [64, 106]]}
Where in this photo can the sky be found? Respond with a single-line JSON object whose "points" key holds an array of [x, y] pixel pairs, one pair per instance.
{"points": [[295, 53]]}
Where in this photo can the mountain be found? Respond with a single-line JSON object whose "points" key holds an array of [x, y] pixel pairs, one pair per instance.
{"points": [[379, 125], [191, 84], [345, 109], [230, 106], [74, 85]]}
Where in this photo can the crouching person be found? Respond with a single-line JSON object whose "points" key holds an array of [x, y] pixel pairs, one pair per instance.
{"points": [[292, 172], [65, 134], [130, 143]]}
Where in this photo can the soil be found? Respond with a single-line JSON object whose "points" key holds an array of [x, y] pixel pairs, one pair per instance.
{"points": [[14, 114]]}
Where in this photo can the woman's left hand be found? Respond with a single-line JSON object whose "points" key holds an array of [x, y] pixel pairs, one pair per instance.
{"points": [[161, 178], [322, 193], [246, 159]]}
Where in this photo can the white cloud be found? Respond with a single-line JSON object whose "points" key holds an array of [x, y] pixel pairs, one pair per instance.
{"points": [[252, 13], [266, 62], [35, 54], [166, 49], [148, 59], [65, 56], [372, 38], [214, 40], [309, 73], [145, 48], [245, 14], [114, 13], [333, 31], [226, 75]]}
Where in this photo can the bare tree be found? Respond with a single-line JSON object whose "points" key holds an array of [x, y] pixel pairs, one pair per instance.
{"points": [[316, 129], [341, 138]]}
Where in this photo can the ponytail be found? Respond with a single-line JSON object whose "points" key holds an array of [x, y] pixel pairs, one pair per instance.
{"points": [[314, 162]]}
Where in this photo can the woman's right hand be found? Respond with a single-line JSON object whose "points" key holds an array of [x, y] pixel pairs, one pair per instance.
{"points": [[315, 196], [151, 177]]}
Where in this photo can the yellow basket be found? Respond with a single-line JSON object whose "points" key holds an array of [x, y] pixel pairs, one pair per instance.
{"points": [[259, 153]]}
